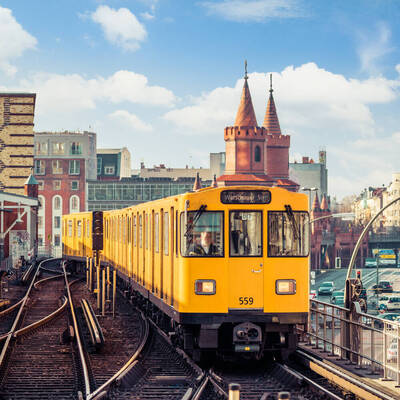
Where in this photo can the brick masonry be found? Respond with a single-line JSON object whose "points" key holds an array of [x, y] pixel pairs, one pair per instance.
{"points": [[16, 140]]}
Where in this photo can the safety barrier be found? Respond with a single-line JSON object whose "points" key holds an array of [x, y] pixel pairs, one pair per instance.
{"points": [[364, 340]]}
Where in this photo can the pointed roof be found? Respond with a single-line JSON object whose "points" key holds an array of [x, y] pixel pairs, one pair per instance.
{"points": [[324, 204], [245, 115], [31, 180], [271, 121], [197, 183], [315, 205]]}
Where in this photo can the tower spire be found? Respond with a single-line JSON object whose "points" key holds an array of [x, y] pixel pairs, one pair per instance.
{"points": [[245, 115], [271, 121]]}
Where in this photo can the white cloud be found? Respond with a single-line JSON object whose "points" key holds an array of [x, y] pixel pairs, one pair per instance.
{"points": [[306, 96], [120, 27], [254, 10], [14, 41], [132, 121], [61, 93], [373, 46], [147, 16]]}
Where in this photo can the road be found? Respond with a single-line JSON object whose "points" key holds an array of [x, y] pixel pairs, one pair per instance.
{"points": [[368, 277]]}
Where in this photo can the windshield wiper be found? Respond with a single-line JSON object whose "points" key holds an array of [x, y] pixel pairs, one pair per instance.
{"points": [[292, 220], [190, 227]]}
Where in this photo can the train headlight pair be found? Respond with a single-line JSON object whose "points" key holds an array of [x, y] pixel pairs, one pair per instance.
{"points": [[285, 286], [204, 286]]}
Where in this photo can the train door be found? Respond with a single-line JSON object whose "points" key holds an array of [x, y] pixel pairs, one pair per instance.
{"points": [[152, 249], [135, 249], [157, 255], [171, 257], [246, 263], [162, 220]]}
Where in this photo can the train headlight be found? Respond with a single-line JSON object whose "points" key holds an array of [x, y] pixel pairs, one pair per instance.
{"points": [[204, 286], [285, 286]]}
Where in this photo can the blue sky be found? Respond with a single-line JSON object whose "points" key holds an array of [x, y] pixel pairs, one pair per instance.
{"points": [[163, 77]]}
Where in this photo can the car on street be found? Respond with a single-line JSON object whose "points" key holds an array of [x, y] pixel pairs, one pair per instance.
{"points": [[383, 287], [313, 294], [326, 289], [383, 303], [338, 301], [392, 351], [393, 304], [394, 317]]}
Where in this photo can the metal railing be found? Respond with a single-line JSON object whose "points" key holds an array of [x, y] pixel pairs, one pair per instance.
{"points": [[362, 339]]}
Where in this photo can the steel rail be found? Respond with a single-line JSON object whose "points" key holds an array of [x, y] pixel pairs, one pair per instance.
{"points": [[42, 321], [300, 376], [49, 278], [17, 318], [344, 376], [78, 339], [100, 391]]}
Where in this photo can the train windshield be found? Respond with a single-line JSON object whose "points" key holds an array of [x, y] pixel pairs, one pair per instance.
{"points": [[245, 233], [202, 234], [288, 233]]}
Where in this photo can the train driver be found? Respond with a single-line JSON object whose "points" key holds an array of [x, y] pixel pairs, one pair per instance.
{"points": [[206, 247]]}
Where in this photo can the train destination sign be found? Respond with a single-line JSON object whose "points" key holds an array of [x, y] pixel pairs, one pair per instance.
{"points": [[246, 197]]}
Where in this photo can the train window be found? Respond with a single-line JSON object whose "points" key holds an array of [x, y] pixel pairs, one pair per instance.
{"points": [[134, 230], [166, 232], [202, 234], [146, 231], [288, 233], [129, 229], [156, 232], [140, 231], [245, 233], [70, 228], [79, 226]]}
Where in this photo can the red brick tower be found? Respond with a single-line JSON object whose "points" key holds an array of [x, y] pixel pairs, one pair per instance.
{"points": [[244, 144], [277, 145]]}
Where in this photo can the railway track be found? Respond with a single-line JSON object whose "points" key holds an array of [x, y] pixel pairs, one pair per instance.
{"points": [[160, 372], [37, 364], [122, 336]]}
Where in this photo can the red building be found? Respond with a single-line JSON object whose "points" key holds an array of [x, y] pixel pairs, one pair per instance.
{"points": [[18, 225], [63, 163], [333, 239], [256, 155]]}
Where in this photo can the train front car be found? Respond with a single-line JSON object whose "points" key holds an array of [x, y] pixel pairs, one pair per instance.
{"points": [[244, 270]]}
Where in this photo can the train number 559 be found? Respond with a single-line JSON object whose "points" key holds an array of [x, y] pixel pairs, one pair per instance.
{"points": [[246, 301]]}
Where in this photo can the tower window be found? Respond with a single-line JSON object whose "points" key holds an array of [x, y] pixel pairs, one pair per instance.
{"points": [[257, 154]]}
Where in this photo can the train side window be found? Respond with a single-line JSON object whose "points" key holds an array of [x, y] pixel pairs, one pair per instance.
{"points": [[140, 231], [79, 228], [134, 230], [146, 231], [288, 233], [70, 228], [202, 235], [245, 233], [157, 232], [129, 229], [166, 232]]}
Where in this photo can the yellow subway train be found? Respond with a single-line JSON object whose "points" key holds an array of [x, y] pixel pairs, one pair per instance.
{"points": [[221, 269]]}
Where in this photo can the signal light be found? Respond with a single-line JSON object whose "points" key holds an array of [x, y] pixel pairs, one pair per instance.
{"points": [[359, 275], [285, 286], [204, 286]]}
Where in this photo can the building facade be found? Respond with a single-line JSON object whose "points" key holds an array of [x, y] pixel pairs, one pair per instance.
{"points": [[18, 224], [310, 174], [17, 112], [63, 163], [127, 192], [113, 164]]}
